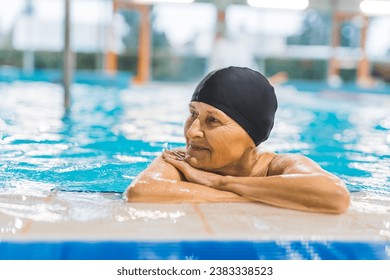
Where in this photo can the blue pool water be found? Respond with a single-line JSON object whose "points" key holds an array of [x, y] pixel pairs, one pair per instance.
{"points": [[111, 135]]}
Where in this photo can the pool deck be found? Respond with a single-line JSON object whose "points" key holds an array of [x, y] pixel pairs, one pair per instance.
{"points": [[69, 216]]}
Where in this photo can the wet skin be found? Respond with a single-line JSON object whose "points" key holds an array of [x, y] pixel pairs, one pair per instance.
{"points": [[221, 163]]}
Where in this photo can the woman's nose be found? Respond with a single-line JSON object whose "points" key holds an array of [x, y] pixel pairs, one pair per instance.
{"points": [[195, 130]]}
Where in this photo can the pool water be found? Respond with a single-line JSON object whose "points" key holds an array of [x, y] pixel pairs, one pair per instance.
{"points": [[110, 135], [61, 176]]}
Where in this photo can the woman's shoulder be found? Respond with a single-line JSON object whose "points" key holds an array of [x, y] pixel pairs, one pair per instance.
{"points": [[283, 163], [278, 157], [265, 153], [275, 163]]}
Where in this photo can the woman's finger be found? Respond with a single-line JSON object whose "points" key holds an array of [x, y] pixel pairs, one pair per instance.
{"points": [[178, 163], [172, 159], [173, 154], [167, 152]]}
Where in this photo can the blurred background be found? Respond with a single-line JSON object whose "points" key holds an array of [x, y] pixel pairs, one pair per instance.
{"points": [[125, 70], [321, 41]]}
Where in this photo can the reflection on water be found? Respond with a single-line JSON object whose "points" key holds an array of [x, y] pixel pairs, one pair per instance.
{"points": [[111, 135]]}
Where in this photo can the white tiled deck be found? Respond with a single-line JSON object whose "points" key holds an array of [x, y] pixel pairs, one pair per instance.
{"points": [[48, 216]]}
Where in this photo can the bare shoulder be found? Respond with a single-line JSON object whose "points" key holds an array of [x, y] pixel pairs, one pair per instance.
{"points": [[293, 164]]}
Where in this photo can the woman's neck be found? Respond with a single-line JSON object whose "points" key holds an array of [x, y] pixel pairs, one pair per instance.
{"points": [[244, 167]]}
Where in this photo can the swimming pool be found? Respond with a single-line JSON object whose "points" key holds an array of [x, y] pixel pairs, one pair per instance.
{"points": [[111, 135]]}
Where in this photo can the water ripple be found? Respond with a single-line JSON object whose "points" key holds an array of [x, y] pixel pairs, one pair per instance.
{"points": [[111, 135]]}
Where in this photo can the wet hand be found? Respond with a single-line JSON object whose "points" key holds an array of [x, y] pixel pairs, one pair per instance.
{"points": [[177, 159]]}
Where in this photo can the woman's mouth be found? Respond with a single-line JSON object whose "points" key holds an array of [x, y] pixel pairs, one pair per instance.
{"points": [[196, 148]]}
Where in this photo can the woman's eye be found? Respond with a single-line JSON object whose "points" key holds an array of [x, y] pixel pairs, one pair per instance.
{"points": [[212, 120], [193, 114]]}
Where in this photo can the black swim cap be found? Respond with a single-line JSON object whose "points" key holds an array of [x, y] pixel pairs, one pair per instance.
{"points": [[244, 95]]}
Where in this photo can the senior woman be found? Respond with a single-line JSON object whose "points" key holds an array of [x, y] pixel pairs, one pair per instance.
{"points": [[230, 114]]}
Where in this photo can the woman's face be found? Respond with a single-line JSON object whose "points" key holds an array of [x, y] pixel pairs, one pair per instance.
{"points": [[214, 140]]}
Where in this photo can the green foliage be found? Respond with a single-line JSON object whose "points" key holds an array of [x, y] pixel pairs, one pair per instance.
{"points": [[297, 69], [46, 59], [128, 62], [11, 57], [175, 68]]}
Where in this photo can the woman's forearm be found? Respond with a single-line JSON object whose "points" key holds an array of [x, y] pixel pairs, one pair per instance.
{"points": [[161, 191], [309, 192]]}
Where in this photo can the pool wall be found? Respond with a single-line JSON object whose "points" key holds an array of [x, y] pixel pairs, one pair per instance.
{"points": [[194, 250], [102, 226]]}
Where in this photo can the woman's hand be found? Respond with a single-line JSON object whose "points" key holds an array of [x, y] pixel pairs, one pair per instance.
{"points": [[163, 182], [193, 175]]}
